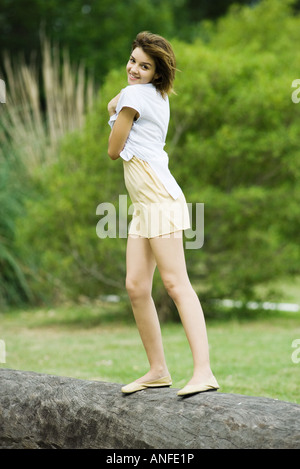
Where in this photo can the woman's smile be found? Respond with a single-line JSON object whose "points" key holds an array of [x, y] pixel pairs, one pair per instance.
{"points": [[132, 77]]}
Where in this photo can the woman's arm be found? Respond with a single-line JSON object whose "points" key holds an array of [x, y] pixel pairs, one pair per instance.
{"points": [[120, 131]]}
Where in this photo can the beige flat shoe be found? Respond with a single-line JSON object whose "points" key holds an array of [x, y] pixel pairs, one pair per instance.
{"points": [[158, 383], [211, 385]]}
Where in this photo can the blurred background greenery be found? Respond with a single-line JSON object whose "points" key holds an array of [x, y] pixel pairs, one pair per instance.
{"points": [[233, 144]]}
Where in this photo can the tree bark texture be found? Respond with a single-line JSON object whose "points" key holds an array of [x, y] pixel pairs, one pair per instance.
{"points": [[45, 411]]}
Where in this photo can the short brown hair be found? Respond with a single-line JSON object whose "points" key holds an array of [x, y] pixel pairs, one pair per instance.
{"points": [[160, 50]]}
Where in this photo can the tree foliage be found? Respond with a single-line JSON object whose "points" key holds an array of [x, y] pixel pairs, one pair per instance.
{"points": [[238, 145], [99, 32]]}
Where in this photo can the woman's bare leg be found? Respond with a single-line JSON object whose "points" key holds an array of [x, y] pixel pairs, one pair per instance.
{"points": [[141, 265], [169, 255]]}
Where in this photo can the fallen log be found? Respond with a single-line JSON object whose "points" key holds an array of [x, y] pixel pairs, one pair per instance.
{"points": [[45, 411]]}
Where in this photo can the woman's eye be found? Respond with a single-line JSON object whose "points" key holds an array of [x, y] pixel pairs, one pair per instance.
{"points": [[133, 61]]}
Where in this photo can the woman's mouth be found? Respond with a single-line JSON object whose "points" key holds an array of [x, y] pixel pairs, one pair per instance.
{"points": [[132, 77]]}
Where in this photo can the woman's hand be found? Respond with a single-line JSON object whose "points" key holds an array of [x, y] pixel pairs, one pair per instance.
{"points": [[112, 105]]}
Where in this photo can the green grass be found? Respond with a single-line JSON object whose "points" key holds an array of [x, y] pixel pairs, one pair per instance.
{"points": [[97, 342]]}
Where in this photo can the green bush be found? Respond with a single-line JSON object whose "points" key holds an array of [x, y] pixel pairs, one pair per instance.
{"points": [[37, 113], [239, 149], [14, 288], [69, 259], [233, 145]]}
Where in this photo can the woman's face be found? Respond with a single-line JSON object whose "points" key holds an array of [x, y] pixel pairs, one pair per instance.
{"points": [[140, 68]]}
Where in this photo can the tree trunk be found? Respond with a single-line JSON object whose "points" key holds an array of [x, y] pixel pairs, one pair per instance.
{"points": [[44, 411]]}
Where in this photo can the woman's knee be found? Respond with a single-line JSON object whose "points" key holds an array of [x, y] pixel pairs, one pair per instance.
{"points": [[176, 288], [173, 288], [137, 288]]}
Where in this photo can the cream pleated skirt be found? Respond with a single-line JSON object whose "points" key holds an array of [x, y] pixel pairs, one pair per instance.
{"points": [[155, 212]]}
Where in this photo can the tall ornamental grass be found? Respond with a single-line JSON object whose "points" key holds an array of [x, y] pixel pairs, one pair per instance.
{"points": [[45, 100], [43, 104]]}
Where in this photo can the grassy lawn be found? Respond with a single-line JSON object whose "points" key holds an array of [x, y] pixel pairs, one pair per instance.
{"points": [[97, 342]]}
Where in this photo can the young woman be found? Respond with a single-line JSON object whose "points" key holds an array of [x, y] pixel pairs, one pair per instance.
{"points": [[139, 118]]}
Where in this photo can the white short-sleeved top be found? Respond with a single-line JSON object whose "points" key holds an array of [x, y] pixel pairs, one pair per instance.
{"points": [[147, 136]]}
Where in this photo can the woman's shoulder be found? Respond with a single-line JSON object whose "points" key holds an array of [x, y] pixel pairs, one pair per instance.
{"points": [[148, 92], [144, 98], [139, 89], [132, 96]]}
